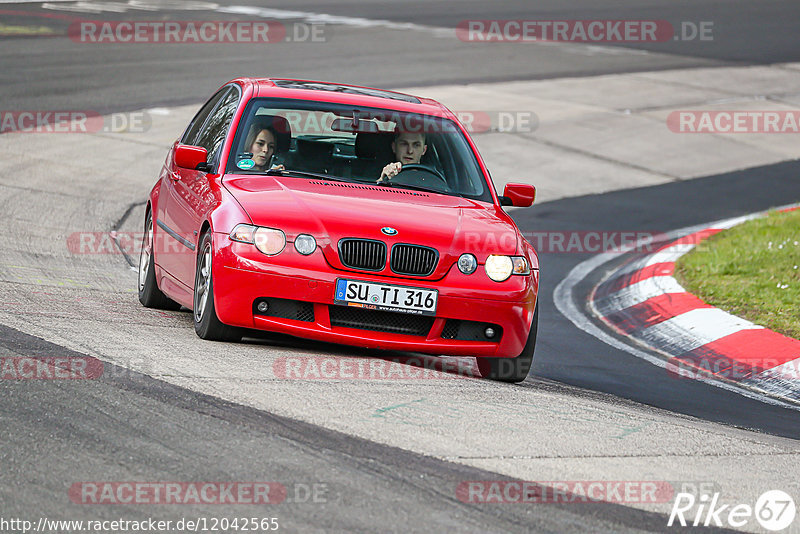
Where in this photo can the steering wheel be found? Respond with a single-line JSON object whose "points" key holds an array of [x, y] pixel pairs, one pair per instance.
{"points": [[423, 168]]}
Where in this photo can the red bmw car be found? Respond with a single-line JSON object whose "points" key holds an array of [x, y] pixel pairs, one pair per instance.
{"points": [[343, 214]]}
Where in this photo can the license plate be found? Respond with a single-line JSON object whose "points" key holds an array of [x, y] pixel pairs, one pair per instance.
{"points": [[386, 297]]}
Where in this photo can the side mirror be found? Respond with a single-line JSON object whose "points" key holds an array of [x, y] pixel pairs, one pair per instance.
{"points": [[520, 195], [191, 157]]}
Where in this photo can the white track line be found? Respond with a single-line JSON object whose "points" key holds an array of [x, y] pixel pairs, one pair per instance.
{"points": [[325, 18], [637, 293], [694, 329], [668, 255]]}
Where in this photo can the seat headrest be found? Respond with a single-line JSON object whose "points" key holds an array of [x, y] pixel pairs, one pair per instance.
{"points": [[371, 145], [314, 149]]}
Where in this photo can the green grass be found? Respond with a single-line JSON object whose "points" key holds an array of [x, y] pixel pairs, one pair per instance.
{"points": [[751, 270]]}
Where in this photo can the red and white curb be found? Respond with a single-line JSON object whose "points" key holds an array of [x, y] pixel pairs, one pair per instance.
{"points": [[643, 302]]}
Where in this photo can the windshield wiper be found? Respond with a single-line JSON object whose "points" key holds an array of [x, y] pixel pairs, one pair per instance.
{"points": [[304, 174]]}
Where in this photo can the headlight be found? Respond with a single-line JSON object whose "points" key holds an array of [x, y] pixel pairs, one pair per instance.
{"points": [[467, 263], [305, 244], [500, 268], [269, 240]]}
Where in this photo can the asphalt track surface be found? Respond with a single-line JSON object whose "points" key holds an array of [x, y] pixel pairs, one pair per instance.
{"points": [[129, 426]]}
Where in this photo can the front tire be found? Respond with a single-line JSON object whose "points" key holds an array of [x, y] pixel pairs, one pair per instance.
{"points": [[512, 370], [206, 323], [149, 294]]}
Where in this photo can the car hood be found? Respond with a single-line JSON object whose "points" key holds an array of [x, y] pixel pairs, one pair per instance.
{"points": [[332, 210]]}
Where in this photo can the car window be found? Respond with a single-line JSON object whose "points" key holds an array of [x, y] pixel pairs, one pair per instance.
{"points": [[354, 145], [216, 127], [190, 135]]}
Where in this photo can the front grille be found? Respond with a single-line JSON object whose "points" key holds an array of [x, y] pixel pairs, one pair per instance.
{"points": [[286, 309], [364, 254], [413, 259], [380, 321], [470, 331], [451, 327]]}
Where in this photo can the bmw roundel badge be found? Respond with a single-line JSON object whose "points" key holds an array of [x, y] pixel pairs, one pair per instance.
{"points": [[388, 230]]}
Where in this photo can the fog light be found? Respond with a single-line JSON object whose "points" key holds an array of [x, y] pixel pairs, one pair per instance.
{"points": [[263, 306], [467, 263], [489, 332], [305, 244]]}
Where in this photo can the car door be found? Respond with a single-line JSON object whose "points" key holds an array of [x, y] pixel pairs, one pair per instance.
{"points": [[189, 195]]}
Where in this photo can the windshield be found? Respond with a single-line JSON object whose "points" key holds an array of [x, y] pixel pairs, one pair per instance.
{"points": [[303, 138]]}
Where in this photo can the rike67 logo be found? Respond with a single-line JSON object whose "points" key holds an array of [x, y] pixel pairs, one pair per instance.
{"points": [[774, 510]]}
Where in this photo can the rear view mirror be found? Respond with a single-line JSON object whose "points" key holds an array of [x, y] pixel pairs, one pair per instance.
{"points": [[190, 157], [519, 195], [354, 126]]}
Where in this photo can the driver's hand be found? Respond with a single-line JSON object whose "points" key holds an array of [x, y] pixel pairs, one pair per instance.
{"points": [[390, 170]]}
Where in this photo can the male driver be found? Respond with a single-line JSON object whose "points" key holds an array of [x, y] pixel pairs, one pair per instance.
{"points": [[408, 148]]}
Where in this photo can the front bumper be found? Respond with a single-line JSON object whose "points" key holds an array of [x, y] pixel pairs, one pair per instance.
{"points": [[242, 275]]}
